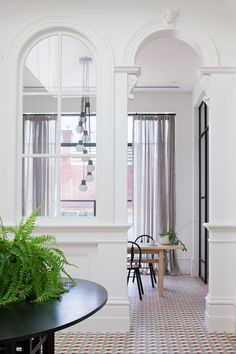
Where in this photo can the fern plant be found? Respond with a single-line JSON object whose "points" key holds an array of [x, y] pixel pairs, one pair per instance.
{"points": [[30, 271]]}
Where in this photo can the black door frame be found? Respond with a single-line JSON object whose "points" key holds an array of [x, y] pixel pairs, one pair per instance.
{"points": [[203, 190]]}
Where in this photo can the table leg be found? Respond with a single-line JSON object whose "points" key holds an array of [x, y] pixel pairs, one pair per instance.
{"points": [[8, 348], [48, 345], [161, 272]]}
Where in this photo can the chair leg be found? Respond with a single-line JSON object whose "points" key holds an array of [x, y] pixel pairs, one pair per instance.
{"points": [[151, 274], [140, 281], [139, 284], [128, 276], [154, 275]]}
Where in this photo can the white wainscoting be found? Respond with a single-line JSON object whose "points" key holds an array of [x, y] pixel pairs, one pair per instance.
{"points": [[99, 252]]}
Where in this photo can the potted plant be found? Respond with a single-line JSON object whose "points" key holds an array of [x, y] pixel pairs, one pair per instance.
{"points": [[30, 270], [170, 237]]}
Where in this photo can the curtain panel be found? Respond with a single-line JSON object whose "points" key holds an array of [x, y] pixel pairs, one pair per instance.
{"points": [[39, 172], [154, 174]]}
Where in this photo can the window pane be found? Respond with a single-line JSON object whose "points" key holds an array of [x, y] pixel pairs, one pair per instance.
{"points": [[40, 104], [39, 186], [39, 133], [69, 132], [73, 50], [59, 92], [41, 66], [130, 129], [130, 169], [73, 201]]}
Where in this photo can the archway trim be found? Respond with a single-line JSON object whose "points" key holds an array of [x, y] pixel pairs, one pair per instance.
{"points": [[183, 30]]}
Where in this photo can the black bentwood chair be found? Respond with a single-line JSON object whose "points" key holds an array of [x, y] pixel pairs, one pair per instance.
{"points": [[147, 239], [134, 264]]}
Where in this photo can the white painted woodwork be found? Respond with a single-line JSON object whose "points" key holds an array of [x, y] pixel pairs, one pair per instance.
{"points": [[115, 32]]}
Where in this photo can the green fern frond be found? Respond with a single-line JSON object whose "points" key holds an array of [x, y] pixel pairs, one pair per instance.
{"points": [[30, 267]]}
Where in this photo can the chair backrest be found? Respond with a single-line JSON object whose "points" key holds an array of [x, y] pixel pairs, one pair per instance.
{"points": [[144, 239], [135, 254]]}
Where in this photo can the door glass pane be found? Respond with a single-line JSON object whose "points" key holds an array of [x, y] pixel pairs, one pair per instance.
{"points": [[202, 269], [202, 142], [41, 66], [202, 118], [202, 211], [202, 242]]}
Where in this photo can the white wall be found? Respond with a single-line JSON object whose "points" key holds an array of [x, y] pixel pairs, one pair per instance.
{"points": [[180, 103], [109, 27], [118, 21]]}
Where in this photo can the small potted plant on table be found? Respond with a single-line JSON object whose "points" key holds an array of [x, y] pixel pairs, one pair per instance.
{"points": [[170, 238]]}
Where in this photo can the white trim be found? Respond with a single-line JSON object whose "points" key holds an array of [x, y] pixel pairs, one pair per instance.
{"points": [[74, 225], [76, 154], [135, 69], [220, 300], [13, 80], [203, 70], [220, 227], [221, 241], [220, 314], [88, 242], [113, 317], [184, 30]]}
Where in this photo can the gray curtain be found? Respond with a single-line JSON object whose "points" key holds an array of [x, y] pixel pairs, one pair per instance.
{"points": [[39, 173], [154, 177]]}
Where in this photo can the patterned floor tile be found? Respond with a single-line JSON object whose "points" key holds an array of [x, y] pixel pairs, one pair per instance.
{"points": [[172, 324]]}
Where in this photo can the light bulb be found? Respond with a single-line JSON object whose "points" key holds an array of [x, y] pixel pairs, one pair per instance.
{"points": [[89, 177], [86, 136], [85, 156], [80, 146], [83, 187], [83, 119], [90, 167], [79, 128]]}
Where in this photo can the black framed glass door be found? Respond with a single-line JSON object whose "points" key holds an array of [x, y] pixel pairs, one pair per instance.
{"points": [[203, 190]]}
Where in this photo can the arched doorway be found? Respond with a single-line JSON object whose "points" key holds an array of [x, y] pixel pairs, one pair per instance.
{"points": [[201, 46]]}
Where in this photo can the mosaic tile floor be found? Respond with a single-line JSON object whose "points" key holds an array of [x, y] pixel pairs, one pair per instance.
{"points": [[172, 324]]}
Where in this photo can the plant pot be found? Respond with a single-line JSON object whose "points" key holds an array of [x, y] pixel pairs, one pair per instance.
{"points": [[164, 240]]}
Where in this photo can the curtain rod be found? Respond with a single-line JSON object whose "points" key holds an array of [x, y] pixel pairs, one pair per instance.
{"points": [[152, 113]]}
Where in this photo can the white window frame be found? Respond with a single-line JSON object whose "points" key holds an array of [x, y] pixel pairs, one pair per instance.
{"points": [[59, 93]]}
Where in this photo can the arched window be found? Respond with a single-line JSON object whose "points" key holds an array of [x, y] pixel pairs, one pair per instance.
{"points": [[59, 128]]}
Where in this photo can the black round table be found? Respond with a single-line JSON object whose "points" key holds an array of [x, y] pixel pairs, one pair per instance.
{"points": [[32, 326]]}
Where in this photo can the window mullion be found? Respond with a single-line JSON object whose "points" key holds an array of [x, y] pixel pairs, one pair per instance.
{"points": [[58, 127]]}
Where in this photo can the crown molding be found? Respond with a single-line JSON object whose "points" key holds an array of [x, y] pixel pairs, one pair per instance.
{"points": [[220, 227], [208, 70], [134, 69]]}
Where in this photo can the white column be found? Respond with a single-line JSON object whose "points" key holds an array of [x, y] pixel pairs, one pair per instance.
{"points": [[220, 88], [125, 80]]}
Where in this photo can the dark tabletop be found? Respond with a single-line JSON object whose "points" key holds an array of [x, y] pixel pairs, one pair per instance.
{"points": [[26, 320]]}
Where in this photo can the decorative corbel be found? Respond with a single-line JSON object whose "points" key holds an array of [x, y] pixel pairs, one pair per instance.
{"points": [[170, 16], [205, 84], [132, 81]]}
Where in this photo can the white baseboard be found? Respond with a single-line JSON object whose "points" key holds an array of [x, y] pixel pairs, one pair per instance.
{"points": [[184, 265], [220, 315], [113, 317]]}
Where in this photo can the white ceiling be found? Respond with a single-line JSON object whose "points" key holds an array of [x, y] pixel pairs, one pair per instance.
{"points": [[167, 62]]}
